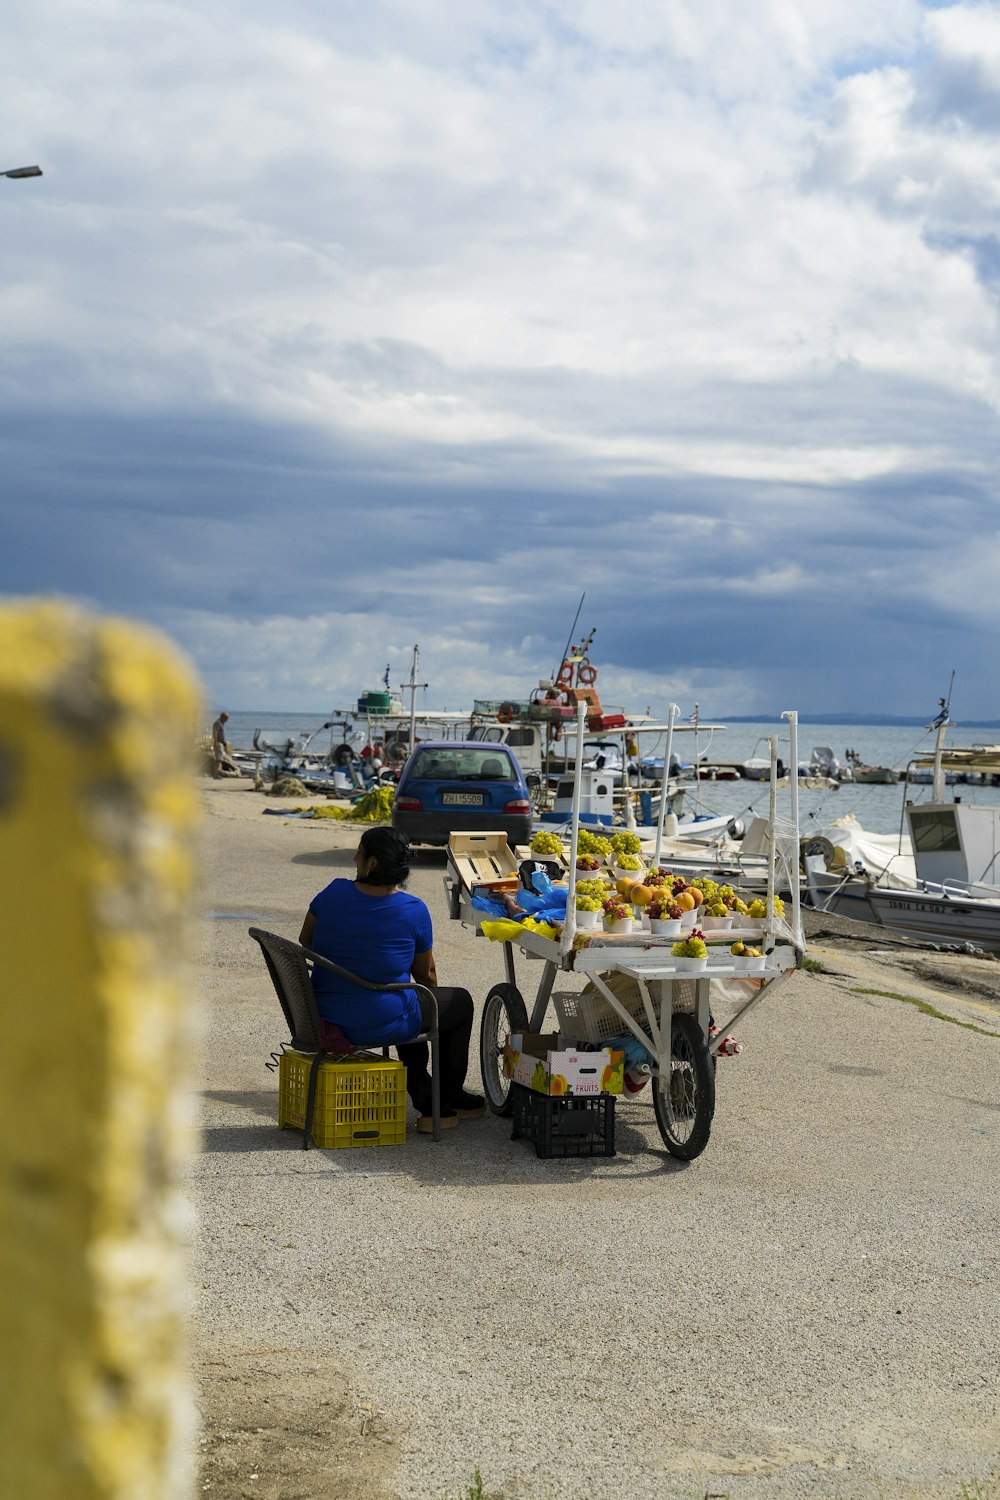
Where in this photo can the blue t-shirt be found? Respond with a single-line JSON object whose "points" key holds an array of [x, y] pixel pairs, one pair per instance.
{"points": [[377, 938]]}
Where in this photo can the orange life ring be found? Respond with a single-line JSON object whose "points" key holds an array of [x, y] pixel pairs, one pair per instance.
{"points": [[505, 713], [586, 675], [565, 678]]}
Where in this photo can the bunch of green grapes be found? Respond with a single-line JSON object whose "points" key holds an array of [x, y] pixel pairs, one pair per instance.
{"points": [[544, 842], [757, 908], [691, 947], [597, 888], [625, 842], [709, 891], [593, 843], [727, 894], [587, 903], [628, 861]]}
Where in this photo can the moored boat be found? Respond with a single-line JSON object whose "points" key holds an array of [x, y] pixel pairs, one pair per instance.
{"points": [[955, 893]]}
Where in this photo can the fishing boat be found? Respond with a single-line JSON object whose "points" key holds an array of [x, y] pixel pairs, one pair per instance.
{"points": [[541, 732], [954, 895], [867, 775]]}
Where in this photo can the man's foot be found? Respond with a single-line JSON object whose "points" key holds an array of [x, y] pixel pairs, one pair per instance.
{"points": [[449, 1119], [469, 1106]]}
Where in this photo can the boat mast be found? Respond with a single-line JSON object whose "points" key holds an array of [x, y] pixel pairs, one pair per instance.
{"points": [[697, 773], [941, 723], [412, 686]]}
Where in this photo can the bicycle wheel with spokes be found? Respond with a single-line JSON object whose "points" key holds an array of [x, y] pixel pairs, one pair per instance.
{"points": [[503, 1013], [684, 1101]]}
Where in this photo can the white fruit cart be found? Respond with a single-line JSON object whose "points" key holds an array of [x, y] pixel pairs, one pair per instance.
{"points": [[636, 988]]}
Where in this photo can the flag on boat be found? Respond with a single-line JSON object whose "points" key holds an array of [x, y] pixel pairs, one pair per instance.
{"points": [[385, 675], [693, 717]]}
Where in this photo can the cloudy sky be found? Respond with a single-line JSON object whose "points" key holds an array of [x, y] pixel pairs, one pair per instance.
{"points": [[333, 328]]}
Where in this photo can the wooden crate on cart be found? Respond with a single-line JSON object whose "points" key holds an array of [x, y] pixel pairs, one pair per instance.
{"points": [[483, 860]]}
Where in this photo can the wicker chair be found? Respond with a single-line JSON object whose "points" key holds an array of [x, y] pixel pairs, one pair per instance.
{"points": [[288, 965]]}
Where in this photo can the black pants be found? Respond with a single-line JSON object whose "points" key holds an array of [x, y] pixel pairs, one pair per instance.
{"points": [[455, 1026]]}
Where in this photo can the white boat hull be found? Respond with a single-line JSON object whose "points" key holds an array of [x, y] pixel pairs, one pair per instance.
{"points": [[954, 919]]}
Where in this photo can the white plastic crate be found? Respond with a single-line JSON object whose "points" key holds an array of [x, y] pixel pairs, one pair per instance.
{"points": [[586, 1016]]}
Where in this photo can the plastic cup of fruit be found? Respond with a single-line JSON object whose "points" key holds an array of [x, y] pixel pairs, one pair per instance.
{"points": [[716, 924], [619, 927], [665, 927], [756, 965], [588, 921], [690, 965], [739, 963], [622, 874]]}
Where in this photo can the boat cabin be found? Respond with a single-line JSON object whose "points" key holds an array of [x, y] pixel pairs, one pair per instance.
{"points": [[528, 744], [955, 843]]}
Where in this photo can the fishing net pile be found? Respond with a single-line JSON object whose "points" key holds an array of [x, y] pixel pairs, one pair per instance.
{"points": [[374, 807], [287, 786]]}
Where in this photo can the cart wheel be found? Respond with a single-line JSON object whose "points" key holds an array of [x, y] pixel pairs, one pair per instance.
{"points": [[503, 1013], [684, 1103]]}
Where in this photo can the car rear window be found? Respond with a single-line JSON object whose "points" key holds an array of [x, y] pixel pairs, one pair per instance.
{"points": [[465, 764]]}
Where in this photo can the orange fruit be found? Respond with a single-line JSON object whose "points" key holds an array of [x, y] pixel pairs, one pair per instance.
{"points": [[697, 895], [686, 901], [640, 895], [625, 884]]}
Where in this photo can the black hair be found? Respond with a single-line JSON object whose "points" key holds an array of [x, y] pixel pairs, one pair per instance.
{"points": [[391, 851]]}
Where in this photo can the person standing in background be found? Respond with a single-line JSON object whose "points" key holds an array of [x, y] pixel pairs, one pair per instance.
{"points": [[219, 753]]}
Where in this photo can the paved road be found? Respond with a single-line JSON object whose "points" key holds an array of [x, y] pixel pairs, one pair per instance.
{"points": [[810, 1308]]}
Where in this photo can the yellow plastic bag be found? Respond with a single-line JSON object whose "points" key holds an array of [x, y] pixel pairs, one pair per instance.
{"points": [[503, 930]]}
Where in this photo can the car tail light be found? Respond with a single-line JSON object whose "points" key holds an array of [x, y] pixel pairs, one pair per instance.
{"points": [[408, 804], [521, 805]]}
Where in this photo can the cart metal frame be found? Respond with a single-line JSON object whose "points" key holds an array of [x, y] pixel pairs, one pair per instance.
{"points": [[645, 959]]}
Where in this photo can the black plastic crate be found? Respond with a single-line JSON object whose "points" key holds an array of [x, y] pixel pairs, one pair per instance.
{"points": [[567, 1126]]}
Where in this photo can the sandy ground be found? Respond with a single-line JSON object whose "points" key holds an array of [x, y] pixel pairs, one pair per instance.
{"points": [[808, 1309]]}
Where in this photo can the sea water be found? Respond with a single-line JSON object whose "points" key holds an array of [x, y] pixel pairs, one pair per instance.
{"points": [[877, 808]]}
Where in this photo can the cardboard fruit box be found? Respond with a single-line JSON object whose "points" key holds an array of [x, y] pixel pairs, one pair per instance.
{"points": [[537, 1062]]}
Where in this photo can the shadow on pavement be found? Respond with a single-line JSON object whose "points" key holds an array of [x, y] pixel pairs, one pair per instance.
{"points": [[475, 1154]]}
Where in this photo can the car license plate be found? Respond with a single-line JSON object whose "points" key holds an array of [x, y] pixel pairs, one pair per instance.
{"points": [[462, 799]]}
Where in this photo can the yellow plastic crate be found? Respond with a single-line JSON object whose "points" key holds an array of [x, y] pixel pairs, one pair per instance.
{"points": [[359, 1101]]}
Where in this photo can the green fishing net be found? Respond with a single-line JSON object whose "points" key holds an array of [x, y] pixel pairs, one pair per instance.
{"points": [[374, 807]]}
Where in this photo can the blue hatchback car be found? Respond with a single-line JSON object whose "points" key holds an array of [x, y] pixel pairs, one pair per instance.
{"points": [[461, 786]]}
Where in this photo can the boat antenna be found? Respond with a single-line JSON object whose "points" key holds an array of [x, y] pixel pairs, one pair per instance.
{"points": [[569, 638]]}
